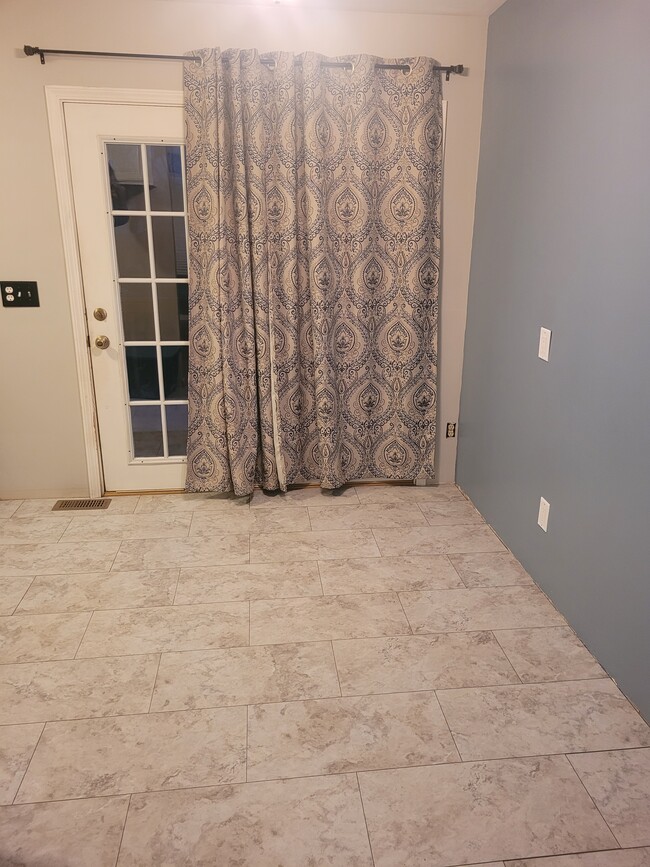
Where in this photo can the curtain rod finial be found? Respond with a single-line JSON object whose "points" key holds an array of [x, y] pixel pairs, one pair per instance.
{"points": [[31, 50]]}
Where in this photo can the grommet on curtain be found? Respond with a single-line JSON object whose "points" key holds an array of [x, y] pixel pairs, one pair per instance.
{"points": [[353, 66], [408, 69]]}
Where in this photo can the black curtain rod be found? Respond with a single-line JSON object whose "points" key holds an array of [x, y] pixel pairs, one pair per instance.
{"points": [[31, 50]]}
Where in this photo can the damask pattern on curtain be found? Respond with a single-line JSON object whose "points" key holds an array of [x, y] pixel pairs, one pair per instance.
{"points": [[314, 231]]}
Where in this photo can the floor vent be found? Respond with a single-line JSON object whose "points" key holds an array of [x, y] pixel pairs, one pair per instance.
{"points": [[84, 505]]}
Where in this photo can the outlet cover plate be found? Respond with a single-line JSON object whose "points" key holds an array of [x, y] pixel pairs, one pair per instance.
{"points": [[542, 516]]}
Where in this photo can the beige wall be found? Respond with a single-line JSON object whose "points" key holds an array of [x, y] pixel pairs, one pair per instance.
{"points": [[41, 446]]}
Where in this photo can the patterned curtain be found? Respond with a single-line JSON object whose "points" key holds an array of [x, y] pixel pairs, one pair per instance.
{"points": [[314, 231]]}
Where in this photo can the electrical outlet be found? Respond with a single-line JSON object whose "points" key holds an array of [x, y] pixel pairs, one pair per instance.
{"points": [[451, 429], [542, 517], [19, 293]]}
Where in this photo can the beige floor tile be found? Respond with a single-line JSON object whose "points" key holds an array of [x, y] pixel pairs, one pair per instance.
{"points": [[250, 521], [64, 834], [12, 591], [54, 559], [366, 517], [245, 675], [168, 553], [619, 783], [408, 493], [439, 512], [490, 570], [475, 610], [455, 539], [71, 689], [414, 662], [31, 530], [535, 719], [612, 858], [17, 745], [292, 823], [139, 753], [9, 508], [472, 812], [339, 735], [87, 528], [117, 506], [161, 503], [40, 637], [252, 581], [366, 615], [312, 496], [379, 574], [324, 545], [150, 630], [555, 653], [96, 590]]}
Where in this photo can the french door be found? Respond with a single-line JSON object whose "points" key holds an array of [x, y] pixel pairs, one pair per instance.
{"points": [[127, 170]]}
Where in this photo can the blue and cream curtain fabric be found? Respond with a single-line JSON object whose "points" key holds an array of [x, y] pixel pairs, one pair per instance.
{"points": [[314, 232]]}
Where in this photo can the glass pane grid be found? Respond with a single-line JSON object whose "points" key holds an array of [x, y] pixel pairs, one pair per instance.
{"points": [[155, 367]]}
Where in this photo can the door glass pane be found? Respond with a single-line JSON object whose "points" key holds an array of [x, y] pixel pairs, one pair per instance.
{"points": [[132, 248], [142, 370], [165, 177], [125, 175], [147, 431], [174, 360], [177, 429], [172, 311], [137, 311], [170, 246]]}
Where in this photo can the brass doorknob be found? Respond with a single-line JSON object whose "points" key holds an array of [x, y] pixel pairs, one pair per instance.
{"points": [[102, 342], [100, 314]]}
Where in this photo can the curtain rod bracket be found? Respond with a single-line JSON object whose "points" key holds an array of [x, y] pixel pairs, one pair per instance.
{"points": [[30, 50]]}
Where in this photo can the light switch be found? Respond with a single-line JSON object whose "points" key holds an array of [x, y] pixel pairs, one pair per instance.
{"points": [[19, 293], [544, 343]]}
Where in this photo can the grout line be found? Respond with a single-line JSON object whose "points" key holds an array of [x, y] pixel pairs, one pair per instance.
{"points": [[22, 779], [336, 669], [453, 566], [246, 762], [249, 622], [92, 614], [444, 716], [568, 758], [126, 816], [226, 647], [178, 581], [363, 810], [405, 614], [320, 578], [503, 650], [220, 601], [153, 686], [19, 603], [244, 703], [317, 775]]}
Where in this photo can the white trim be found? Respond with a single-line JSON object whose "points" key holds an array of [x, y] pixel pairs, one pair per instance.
{"points": [[56, 97]]}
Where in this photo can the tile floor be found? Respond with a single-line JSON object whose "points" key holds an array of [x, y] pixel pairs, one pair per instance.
{"points": [[303, 680]]}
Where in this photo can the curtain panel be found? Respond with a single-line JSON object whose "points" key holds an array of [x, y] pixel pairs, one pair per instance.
{"points": [[314, 244]]}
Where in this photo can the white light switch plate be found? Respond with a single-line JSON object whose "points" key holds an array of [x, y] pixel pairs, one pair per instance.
{"points": [[542, 517], [544, 343]]}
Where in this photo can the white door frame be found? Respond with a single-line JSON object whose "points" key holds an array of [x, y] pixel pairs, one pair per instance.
{"points": [[56, 97]]}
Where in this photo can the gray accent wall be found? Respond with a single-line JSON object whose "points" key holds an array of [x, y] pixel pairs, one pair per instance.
{"points": [[562, 240]]}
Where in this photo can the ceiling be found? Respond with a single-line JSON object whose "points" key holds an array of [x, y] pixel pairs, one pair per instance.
{"points": [[420, 7]]}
